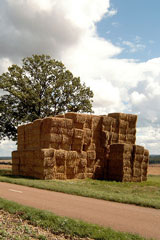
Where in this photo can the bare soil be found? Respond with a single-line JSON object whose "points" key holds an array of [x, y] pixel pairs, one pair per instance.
{"points": [[154, 169]]}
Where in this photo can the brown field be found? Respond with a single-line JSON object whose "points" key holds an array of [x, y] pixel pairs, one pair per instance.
{"points": [[154, 169], [5, 164]]}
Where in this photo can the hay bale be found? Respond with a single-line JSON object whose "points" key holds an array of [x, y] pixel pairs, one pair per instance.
{"points": [[89, 175], [131, 131], [105, 138], [96, 123], [71, 159], [15, 158], [130, 139], [60, 116], [60, 176], [118, 116], [88, 121], [87, 136], [78, 119], [60, 157], [121, 148], [81, 175], [78, 133], [138, 149], [132, 119]]}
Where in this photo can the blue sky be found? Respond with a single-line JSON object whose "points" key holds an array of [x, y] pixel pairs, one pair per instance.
{"points": [[136, 22], [113, 45]]}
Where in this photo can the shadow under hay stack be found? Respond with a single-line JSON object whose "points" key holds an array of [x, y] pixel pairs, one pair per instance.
{"points": [[81, 146]]}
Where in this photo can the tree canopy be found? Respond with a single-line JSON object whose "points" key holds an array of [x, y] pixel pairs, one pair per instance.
{"points": [[39, 88]]}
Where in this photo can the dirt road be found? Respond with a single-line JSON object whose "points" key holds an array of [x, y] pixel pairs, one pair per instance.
{"points": [[122, 217]]}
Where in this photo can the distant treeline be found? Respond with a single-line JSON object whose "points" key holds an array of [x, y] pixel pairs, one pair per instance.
{"points": [[153, 159], [5, 158]]}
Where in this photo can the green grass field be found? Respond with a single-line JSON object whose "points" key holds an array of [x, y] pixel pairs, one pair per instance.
{"points": [[63, 225], [145, 194]]}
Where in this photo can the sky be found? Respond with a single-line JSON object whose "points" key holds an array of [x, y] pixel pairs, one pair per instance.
{"points": [[113, 45]]}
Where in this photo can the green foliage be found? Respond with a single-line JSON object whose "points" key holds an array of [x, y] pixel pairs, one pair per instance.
{"points": [[154, 159], [41, 87]]}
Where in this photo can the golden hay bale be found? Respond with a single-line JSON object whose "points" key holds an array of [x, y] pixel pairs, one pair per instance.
{"points": [[89, 175], [71, 159], [127, 170], [61, 169], [97, 123], [90, 170], [89, 147], [122, 131], [82, 154], [114, 137], [47, 153], [131, 131], [80, 175], [105, 138], [122, 137], [88, 121], [107, 121], [126, 178], [118, 116], [66, 140], [78, 119], [138, 158], [138, 149], [136, 179], [87, 135], [60, 116], [144, 166], [78, 133], [130, 139], [122, 124], [60, 156], [60, 176], [146, 153], [82, 163], [137, 172], [49, 162], [52, 138], [71, 171], [91, 155], [77, 147], [119, 148]]}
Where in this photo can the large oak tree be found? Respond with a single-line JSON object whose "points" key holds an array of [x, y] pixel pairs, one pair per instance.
{"points": [[40, 87]]}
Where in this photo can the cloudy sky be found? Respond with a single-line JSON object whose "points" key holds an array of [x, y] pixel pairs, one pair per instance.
{"points": [[113, 45]]}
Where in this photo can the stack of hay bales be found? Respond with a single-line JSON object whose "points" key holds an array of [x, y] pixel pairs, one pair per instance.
{"points": [[144, 165], [120, 168], [81, 146]]}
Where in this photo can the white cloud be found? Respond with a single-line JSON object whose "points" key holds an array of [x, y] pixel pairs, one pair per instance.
{"points": [[134, 47], [66, 30], [112, 12], [6, 147]]}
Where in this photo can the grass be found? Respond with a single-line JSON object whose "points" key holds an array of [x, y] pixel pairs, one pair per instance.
{"points": [[145, 194], [63, 225]]}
